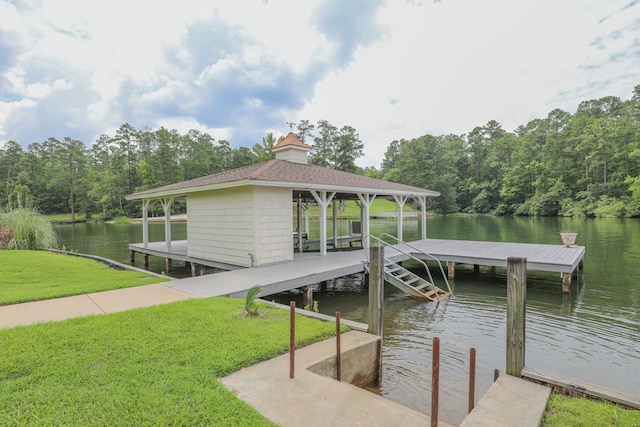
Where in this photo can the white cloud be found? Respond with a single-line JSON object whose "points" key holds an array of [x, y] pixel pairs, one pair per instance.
{"points": [[241, 69]]}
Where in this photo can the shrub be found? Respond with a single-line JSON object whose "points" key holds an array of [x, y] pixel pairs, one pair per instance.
{"points": [[27, 229]]}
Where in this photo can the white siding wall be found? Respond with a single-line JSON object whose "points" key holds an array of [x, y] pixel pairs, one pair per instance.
{"points": [[220, 225], [227, 225], [274, 224], [295, 155]]}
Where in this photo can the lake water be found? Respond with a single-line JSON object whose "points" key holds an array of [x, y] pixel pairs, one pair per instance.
{"points": [[593, 335]]}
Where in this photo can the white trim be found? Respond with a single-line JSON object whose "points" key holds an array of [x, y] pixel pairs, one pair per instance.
{"points": [[423, 214], [323, 201], [293, 185], [166, 204], [367, 200], [400, 201]]}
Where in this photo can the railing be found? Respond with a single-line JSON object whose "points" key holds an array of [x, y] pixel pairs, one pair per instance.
{"points": [[426, 267]]}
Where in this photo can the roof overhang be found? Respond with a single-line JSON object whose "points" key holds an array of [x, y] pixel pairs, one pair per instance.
{"points": [[342, 192]]}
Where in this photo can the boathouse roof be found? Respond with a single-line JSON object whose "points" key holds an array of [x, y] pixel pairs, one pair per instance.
{"points": [[300, 177]]}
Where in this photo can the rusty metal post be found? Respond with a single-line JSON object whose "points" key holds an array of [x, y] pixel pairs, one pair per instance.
{"points": [[292, 338], [435, 381], [338, 352], [472, 378]]}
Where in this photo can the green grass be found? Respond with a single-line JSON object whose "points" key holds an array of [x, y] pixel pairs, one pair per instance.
{"points": [[64, 217], [352, 210], [564, 411], [152, 366], [36, 275]]}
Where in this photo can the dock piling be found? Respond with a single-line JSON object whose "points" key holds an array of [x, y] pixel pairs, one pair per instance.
{"points": [[516, 314], [376, 290]]}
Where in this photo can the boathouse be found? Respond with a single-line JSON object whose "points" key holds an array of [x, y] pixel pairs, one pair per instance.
{"points": [[245, 217]]}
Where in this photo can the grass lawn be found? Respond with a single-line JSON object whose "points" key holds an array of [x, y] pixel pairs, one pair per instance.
{"points": [[64, 217], [566, 411], [151, 366], [36, 275], [352, 210]]}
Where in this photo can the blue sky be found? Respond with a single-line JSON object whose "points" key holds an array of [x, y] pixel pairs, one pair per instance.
{"points": [[239, 69]]}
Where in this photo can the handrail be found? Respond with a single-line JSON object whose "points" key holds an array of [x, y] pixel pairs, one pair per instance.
{"points": [[379, 240], [422, 252]]}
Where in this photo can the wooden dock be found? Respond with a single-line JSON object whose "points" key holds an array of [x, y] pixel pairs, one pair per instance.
{"points": [[311, 268]]}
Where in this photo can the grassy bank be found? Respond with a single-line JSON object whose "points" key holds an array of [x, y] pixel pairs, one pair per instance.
{"points": [[36, 275], [566, 411], [153, 366]]}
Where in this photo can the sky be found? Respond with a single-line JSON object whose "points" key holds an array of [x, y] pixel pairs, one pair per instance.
{"points": [[238, 69]]}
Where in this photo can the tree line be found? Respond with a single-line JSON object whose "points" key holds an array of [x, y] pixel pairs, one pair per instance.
{"points": [[582, 164], [62, 176]]}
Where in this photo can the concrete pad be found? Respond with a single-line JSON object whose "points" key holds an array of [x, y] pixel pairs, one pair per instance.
{"points": [[47, 311], [510, 401], [313, 400], [137, 297]]}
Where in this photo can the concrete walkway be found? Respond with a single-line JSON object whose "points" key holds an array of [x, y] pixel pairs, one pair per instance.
{"points": [[313, 400], [83, 305]]}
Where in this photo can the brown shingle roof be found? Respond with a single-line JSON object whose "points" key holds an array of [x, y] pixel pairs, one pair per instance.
{"points": [[291, 140], [300, 176]]}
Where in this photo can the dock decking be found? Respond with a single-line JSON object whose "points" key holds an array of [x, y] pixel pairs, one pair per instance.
{"points": [[310, 268]]}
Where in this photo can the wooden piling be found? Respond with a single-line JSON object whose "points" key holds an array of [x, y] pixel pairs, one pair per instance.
{"points": [[193, 269], [376, 290], [167, 265], [451, 269], [566, 283], [132, 257], [496, 374], [516, 314], [476, 269], [307, 298], [145, 261]]}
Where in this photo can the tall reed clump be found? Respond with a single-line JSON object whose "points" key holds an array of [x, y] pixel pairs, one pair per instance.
{"points": [[24, 228]]}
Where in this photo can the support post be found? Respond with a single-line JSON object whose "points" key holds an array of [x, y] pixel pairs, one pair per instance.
{"points": [[451, 269], [566, 283], [338, 351], [292, 337], [145, 261], [376, 290], [167, 265], [193, 269], [307, 298], [472, 378], [516, 314], [435, 381], [132, 257], [476, 269]]}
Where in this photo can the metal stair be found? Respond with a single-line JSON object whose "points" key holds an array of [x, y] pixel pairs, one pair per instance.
{"points": [[410, 283]]}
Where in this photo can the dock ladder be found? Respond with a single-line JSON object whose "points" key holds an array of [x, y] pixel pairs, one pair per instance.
{"points": [[407, 281]]}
